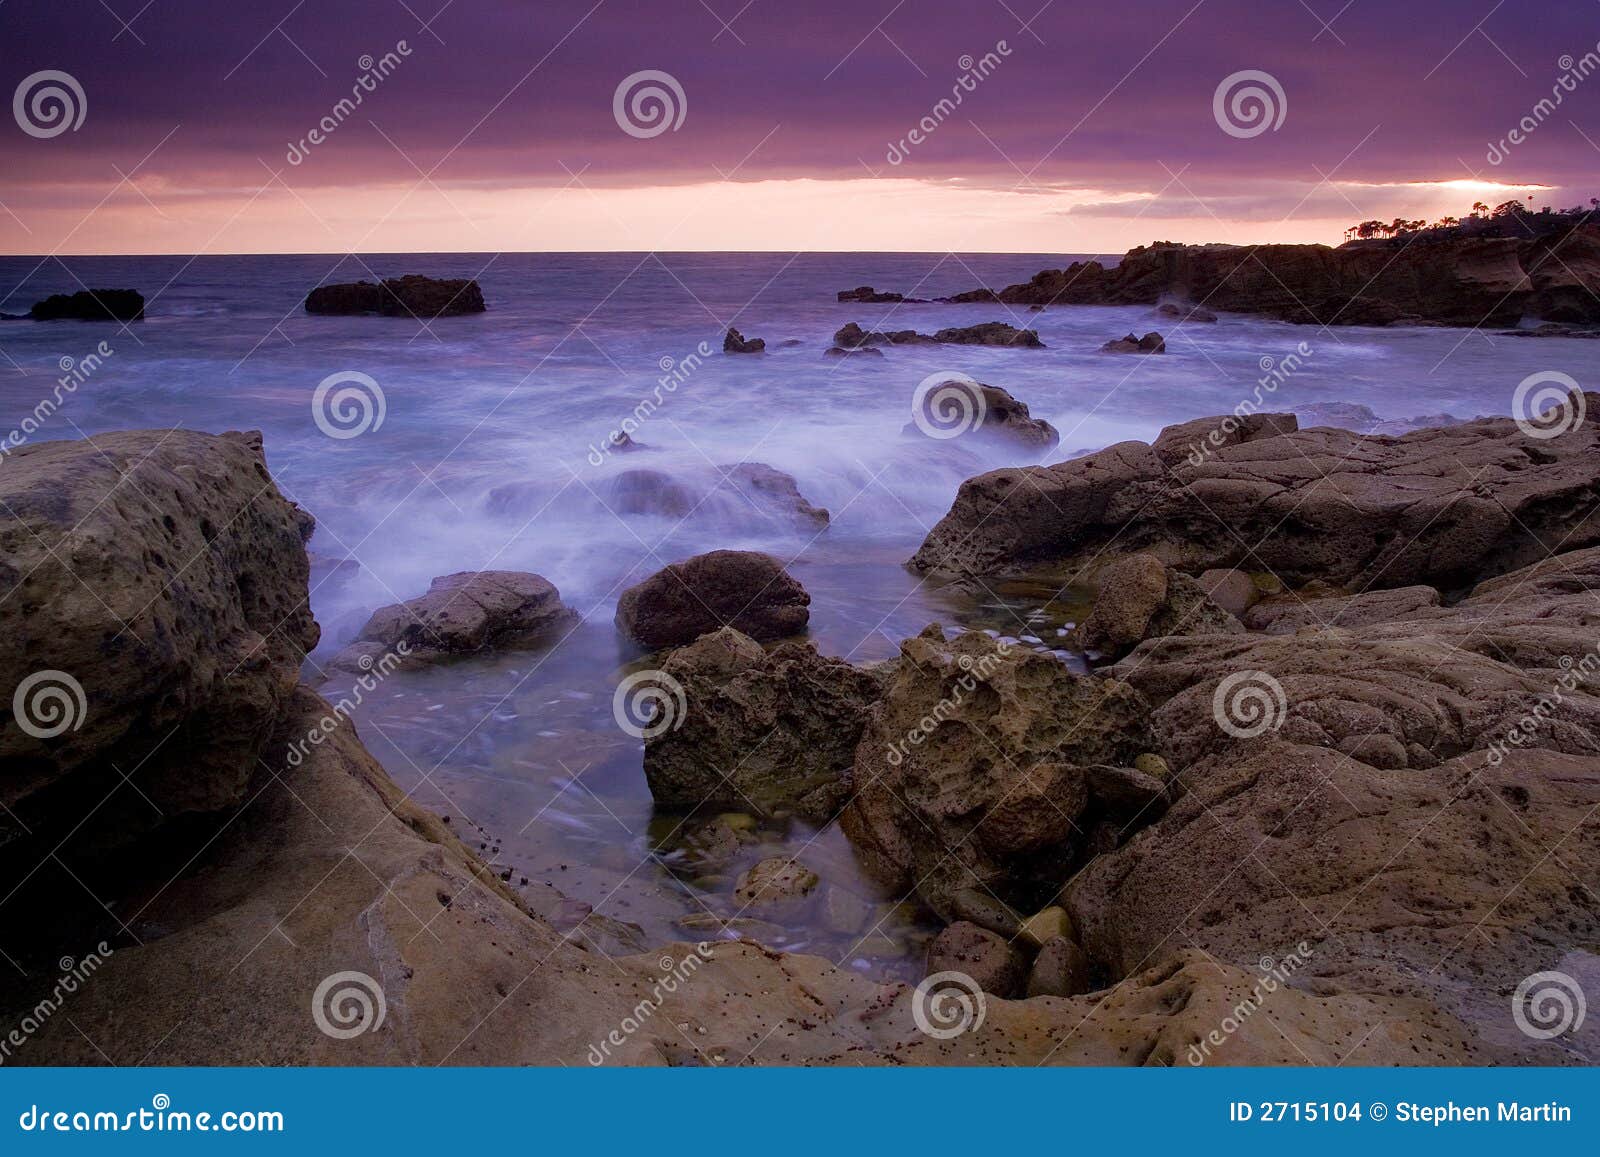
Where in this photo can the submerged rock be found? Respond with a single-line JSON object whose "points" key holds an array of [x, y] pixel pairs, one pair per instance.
{"points": [[91, 305], [779, 884], [1185, 313], [410, 296], [725, 588], [772, 730]]}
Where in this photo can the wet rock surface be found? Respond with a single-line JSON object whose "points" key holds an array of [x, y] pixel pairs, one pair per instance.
{"points": [[467, 612], [413, 296], [748, 591]]}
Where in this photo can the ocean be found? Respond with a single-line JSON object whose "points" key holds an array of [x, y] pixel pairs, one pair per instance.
{"points": [[490, 454]]}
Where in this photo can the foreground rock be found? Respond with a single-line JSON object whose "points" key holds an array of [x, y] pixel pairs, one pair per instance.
{"points": [[980, 412], [992, 963], [736, 343], [775, 731], [410, 296], [1466, 281], [1442, 507], [743, 589], [159, 639], [991, 333], [465, 612], [971, 772], [91, 305]]}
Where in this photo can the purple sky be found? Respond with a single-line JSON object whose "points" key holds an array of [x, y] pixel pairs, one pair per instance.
{"points": [[1099, 113]]}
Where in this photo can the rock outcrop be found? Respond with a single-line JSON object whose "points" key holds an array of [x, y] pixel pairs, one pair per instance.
{"points": [[1142, 598], [91, 305], [735, 342], [979, 411], [971, 771], [155, 619], [1467, 281], [1150, 343], [990, 333], [1442, 507], [413, 295], [743, 589], [774, 731]]}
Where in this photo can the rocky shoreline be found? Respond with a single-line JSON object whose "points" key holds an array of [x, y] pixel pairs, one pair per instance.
{"points": [[1330, 756]]}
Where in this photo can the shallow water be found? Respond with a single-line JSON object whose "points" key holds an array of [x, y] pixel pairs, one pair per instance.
{"points": [[485, 459]]}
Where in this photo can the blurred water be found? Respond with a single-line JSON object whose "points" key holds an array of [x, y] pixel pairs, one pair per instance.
{"points": [[484, 460]]}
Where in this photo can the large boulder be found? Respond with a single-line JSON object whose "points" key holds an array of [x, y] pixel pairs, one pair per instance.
{"points": [[1442, 507], [734, 342], [469, 611], [413, 295], [725, 588], [91, 305], [155, 620], [971, 771], [775, 731]]}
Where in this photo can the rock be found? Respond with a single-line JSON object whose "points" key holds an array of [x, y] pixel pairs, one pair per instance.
{"points": [[471, 611], [1153, 765], [1060, 969], [1046, 925], [989, 333], [649, 492], [1462, 280], [413, 295], [1125, 792], [1150, 343], [857, 352], [1442, 508], [994, 965], [742, 589], [776, 731], [91, 305], [1140, 599], [155, 622], [843, 912], [981, 411], [1186, 312], [868, 295], [777, 884], [774, 488], [1287, 613], [963, 727], [981, 908], [1232, 590], [736, 343]]}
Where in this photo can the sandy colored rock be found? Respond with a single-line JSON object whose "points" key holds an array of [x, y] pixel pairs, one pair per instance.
{"points": [[963, 726], [1141, 598], [1046, 925], [772, 730], [1232, 590], [777, 884], [1060, 969], [993, 964]]}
